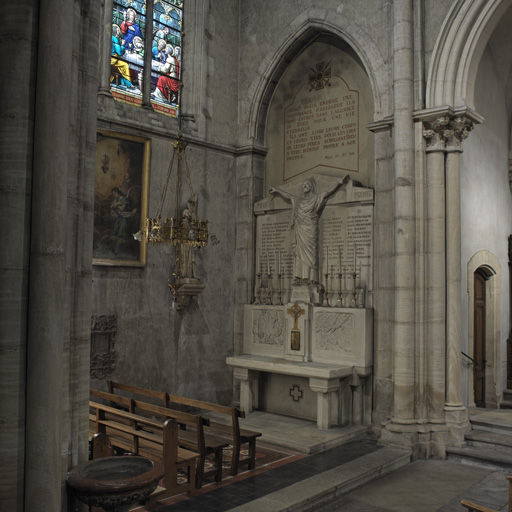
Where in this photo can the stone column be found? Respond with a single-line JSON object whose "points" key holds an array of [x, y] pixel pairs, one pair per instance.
{"points": [[18, 26], [456, 413], [435, 269], [47, 289], [404, 213], [106, 42]]}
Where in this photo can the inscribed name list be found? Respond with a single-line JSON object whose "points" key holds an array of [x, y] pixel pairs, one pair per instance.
{"points": [[322, 130]]}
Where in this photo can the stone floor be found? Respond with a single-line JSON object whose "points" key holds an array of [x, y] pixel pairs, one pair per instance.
{"points": [[356, 476]]}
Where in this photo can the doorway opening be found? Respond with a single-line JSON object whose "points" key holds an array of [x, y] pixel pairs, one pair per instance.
{"points": [[484, 290]]}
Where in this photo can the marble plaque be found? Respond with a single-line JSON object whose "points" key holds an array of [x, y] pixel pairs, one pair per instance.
{"points": [[347, 240], [273, 242], [324, 131], [318, 118]]}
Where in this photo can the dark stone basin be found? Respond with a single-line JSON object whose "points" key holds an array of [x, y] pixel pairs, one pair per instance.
{"points": [[113, 482]]}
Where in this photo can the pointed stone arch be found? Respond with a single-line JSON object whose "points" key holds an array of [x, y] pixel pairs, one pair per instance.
{"points": [[459, 47], [488, 264], [307, 28]]}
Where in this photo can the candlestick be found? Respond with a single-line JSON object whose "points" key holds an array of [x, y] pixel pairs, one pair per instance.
{"points": [[279, 301], [258, 289], [339, 302], [325, 303]]}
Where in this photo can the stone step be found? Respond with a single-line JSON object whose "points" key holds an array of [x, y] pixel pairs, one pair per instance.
{"points": [[490, 441], [492, 459], [506, 402], [310, 494], [496, 421]]}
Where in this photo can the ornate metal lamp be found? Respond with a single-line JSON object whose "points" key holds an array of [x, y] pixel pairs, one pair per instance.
{"points": [[184, 231]]}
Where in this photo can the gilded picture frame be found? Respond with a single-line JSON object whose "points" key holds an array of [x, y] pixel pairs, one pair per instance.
{"points": [[121, 185]]}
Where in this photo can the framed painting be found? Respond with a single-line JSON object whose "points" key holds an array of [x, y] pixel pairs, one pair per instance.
{"points": [[121, 180]]}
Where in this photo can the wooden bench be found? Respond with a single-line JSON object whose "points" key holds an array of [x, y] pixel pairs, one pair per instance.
{"points": [[150, 438], [239, 436], [191, 435], [473, 507]]}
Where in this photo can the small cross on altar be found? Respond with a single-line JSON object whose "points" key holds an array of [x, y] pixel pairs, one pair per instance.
{"points": [[296, 393], [295, 311]]}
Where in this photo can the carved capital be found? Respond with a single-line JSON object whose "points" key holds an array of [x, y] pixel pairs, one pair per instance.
{"points": [[447, 132]]}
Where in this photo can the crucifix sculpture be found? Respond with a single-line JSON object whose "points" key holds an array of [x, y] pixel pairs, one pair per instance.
{"points": [[295, 311]]}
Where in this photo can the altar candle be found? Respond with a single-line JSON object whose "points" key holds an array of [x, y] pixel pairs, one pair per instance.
{"points": [[327, 258], [279, 263], [268, 264], [339, 257], [354, 257]]}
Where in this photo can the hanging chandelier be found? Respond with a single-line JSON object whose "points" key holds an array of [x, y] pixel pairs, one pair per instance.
{"points": [[182, 230]]}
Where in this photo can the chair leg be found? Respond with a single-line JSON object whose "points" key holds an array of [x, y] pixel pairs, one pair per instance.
{"points": [[200, 472], [218, 465], [252, 453], [235, 459]]}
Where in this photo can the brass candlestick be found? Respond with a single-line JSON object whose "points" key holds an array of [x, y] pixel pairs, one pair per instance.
{"points": [[339, 302], [325, 303], [258, 289], [279, 301], [268, 302], [353, 302]]}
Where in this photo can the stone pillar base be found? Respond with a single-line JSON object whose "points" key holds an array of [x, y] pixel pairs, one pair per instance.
{"points": [[457, 421], [425, 439]]}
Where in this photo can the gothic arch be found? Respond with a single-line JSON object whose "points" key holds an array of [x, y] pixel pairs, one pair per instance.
{"points": [[310, 28], [457, 52], [489, 265]]}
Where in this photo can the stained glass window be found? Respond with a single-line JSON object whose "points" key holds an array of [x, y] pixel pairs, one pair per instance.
{"points": [[129, 58], [127, 53], [166, 58]]}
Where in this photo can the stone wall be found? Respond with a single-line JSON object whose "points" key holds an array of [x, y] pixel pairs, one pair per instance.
{"points": [[485, 222], [157, 346]]}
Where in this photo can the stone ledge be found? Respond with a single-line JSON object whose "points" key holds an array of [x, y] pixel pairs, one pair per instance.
{"points": [[323, 488], [298, 368]]}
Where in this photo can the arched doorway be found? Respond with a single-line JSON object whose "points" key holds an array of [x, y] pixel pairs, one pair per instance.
{"points": [[479, 338], [484, 292]]}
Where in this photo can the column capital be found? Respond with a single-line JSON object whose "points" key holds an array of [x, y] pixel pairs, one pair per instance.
{"points": [[446, 127], [447, 132]]}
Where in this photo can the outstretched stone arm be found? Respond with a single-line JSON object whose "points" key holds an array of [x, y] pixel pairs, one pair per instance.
{"points": [[282, 193], [337, 185]]}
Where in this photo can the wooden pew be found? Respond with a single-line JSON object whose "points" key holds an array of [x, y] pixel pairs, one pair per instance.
{"points": [[190, 436], [153, 439], [473, 507], [240, 436]]}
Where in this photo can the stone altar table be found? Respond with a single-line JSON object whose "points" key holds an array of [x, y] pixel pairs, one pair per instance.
{"points": [[330, 370]]}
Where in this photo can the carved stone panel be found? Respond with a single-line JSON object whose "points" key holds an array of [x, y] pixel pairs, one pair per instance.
{"points": [[334, 331], [264, 330], [268, 327], [343, 336], [103, 353]]}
